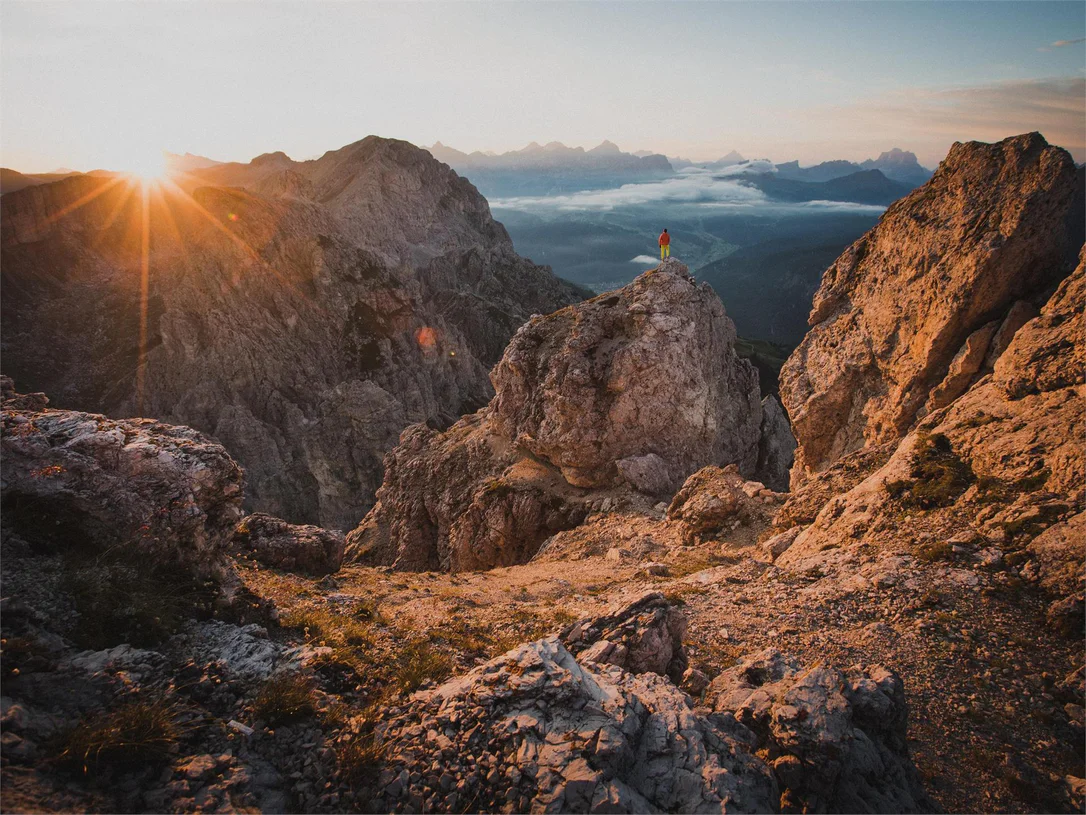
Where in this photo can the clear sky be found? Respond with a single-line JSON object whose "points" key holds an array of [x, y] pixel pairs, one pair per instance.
{"points": [[87, 84]]}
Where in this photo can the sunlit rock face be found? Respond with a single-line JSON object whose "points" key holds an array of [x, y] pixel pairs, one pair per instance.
{"points": [[904, 319], [634, 389], [302, 313]]}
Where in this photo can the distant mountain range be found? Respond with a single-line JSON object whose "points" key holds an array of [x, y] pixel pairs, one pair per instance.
{"points": [[898, 165], [859, 186], [553, 168]]}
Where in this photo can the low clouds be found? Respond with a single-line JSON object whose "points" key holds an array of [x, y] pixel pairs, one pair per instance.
{"points": [[648, 260], [1065, 43], [693, 186]]}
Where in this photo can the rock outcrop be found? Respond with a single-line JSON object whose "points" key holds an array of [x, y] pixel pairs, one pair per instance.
{"points": [[714, 500], [292, 547], [301, 313], [836, 740], [534, 730], [634, 389], [643, 635], [776, 446], [646, 369], [903, 320], [538, 730], [151, 490], [993, 470], [114, 531]]}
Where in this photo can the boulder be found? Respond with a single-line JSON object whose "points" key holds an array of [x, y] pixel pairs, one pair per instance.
{"points": [[778, 544], [292, 547], [637, 388], [836, 740], [996, 224], [712, 501], [649, 368], [643, 635], [158, 492]]}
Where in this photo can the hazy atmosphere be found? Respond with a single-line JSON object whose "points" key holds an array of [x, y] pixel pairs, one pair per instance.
{"points": [[86, 84], [542, 407]]}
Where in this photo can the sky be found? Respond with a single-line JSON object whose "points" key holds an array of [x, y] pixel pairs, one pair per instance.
{"points": [[94, 85]]}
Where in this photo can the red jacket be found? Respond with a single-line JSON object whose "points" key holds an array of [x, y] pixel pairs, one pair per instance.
{"points": [[665, 239]]}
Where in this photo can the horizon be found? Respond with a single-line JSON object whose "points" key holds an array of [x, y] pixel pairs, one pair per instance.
{"points": [[789, 81]]}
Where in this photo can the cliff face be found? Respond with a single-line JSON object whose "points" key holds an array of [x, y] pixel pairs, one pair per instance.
{"points": [[637, 388], [903, 320], [938, 400], [302, 313]]}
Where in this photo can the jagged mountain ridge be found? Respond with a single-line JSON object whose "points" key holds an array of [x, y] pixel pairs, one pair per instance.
{"points": [[303, 313]]}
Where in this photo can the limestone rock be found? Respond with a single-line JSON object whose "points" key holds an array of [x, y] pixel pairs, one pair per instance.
{"points": [[648, 473], [640, 386], [1021, 313], [712, 501], [836, 741], [292, 547], [1048, 353], [996, 224], [1060, 555], [963, 367], [1016, 434], [776, 446], [643, 635], [535, 730], [778, 544], [301, 313], [649, 368], [156, 491]]}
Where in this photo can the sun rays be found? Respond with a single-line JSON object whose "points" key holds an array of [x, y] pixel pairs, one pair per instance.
{"points": [[149, 221]]}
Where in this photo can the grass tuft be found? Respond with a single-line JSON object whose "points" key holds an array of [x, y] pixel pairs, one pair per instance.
{"points": [[938, 475], [417, 663], [136, 734], [284, 697]]}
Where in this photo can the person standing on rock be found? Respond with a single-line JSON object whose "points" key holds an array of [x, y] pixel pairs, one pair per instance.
{"points": [[665, 245]]}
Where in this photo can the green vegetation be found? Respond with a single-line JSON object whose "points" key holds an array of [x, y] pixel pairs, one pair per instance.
{"points": [[136, 734], [938, 475], [334, 630], [417, 663], [284, 697], [992, 490]]}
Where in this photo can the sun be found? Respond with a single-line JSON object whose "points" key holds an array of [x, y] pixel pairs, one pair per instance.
{"points": [[147, 165]]}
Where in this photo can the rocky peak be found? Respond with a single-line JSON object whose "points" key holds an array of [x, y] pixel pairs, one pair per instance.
{"points": [[606, 147], [996, 224], [276, 158], [647, 369], [634, 389]]}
